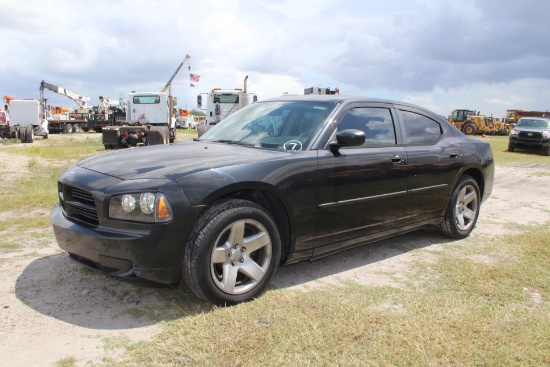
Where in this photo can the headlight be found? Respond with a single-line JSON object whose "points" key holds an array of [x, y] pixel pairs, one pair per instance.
{"points": [[145, 207], [546, 134], [514, 132]]}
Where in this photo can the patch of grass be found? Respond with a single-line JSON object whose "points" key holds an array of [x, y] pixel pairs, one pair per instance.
{"points": [[520, 156], [62, 150], [66, 362], [36, 192], [454, 311]]}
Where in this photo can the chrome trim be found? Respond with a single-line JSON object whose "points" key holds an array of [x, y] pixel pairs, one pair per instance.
{"points": [[376, 197], [429, 188]]}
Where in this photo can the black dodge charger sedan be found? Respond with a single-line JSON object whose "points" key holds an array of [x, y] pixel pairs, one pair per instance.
{"points": [[280, 181]]}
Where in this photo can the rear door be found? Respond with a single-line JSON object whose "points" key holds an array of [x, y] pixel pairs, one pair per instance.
{"points": [[434, 160]]}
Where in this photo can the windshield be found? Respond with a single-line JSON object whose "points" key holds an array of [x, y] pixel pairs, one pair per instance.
{"points": [[534, 123], [226, 97], [286, 125], [146, 99]]}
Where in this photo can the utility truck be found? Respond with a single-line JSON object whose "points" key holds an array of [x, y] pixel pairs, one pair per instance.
{"points": [[185, 119], [149, 119], [77, 119], [26, 120], [220, 103]]}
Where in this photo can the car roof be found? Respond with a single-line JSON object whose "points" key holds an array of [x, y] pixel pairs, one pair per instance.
{"points": [[343, 98]]}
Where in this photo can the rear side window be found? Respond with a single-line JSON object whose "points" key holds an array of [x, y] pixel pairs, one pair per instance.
{"points": [[376, 123], [420, 129]]}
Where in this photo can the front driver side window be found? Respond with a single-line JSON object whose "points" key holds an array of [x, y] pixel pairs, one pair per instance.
{"points": [[376, 123]]}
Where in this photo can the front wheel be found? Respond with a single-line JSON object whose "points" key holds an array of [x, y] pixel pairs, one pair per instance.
{"points": [[232, 253], [463, 209], [511, 147], [469, 129]]}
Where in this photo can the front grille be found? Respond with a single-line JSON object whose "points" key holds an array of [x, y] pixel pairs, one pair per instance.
{"points": [[78, 204], [530, 136]]}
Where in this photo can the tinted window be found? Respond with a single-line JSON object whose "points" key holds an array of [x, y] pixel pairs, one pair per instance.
{"points": [[420, 129], [376, 123]]}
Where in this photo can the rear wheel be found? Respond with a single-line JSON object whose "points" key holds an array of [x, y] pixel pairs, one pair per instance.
{"points": [[463, 209], [69, 128], [232, 253], [23, 135], [30, 134], [76, 128]]}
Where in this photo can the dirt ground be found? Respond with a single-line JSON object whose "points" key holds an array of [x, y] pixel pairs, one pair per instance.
{"points": [[52, 308]]}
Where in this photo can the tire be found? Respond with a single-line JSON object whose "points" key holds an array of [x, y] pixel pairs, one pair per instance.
{"points": [[30, 134], [469, 129], [85, 128], [69, 128], [463, 209], [511, 146], [76, 128], [17, 135], [232, 254], [45, 136], [547, 151], [23, 135]]}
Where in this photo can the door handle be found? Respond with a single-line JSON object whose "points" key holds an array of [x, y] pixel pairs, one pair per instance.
{"points": [[453, 154], [397, 159]]}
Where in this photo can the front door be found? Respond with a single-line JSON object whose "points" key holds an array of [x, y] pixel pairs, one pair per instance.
{"points": [[362, 190]]}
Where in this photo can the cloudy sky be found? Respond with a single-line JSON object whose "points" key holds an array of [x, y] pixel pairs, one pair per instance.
{"points": [[487, 55]]}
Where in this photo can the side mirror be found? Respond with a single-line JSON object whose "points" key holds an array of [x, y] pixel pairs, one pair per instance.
{"points": [[348, 138]]}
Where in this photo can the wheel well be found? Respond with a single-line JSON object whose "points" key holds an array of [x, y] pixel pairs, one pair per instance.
{"points": [[274, 207], [478, 176]]}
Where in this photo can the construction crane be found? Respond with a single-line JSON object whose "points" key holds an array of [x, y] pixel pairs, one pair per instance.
{"points": [[187, 57], [169, 85], [80, 100], [83, 110]]}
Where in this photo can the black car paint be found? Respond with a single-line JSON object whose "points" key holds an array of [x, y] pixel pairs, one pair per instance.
{"points": [[406, 189]]}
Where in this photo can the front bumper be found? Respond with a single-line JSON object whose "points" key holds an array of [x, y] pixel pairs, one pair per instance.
{"points": [[140, 254], [538, 143]]}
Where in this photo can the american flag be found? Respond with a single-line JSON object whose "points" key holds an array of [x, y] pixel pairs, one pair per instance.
{"points": [[194, 77]]}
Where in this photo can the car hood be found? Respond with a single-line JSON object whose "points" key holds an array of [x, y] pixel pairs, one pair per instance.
{"points": [[174, 161], [531, 129]]}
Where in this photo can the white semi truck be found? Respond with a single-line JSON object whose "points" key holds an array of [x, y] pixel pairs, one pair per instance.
{"points": [[26, 121], [148, 122], [220, 103]]}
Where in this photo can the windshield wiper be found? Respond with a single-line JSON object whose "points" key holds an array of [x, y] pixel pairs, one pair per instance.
{"points": [[236, 142]]}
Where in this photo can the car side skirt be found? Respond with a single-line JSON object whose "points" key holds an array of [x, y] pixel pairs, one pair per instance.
{"points": [[327, 250]]}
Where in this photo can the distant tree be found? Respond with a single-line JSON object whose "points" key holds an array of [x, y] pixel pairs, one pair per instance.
{"points": [[196, 112]]}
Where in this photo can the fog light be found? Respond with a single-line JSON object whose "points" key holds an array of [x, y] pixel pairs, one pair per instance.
{"points": [[128, 203]]}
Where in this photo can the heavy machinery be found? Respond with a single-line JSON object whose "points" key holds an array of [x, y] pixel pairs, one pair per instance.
{"points": [[220, 103], [471, 122], [79, 117], [513, 116], [149, 119], [109, 112]]}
